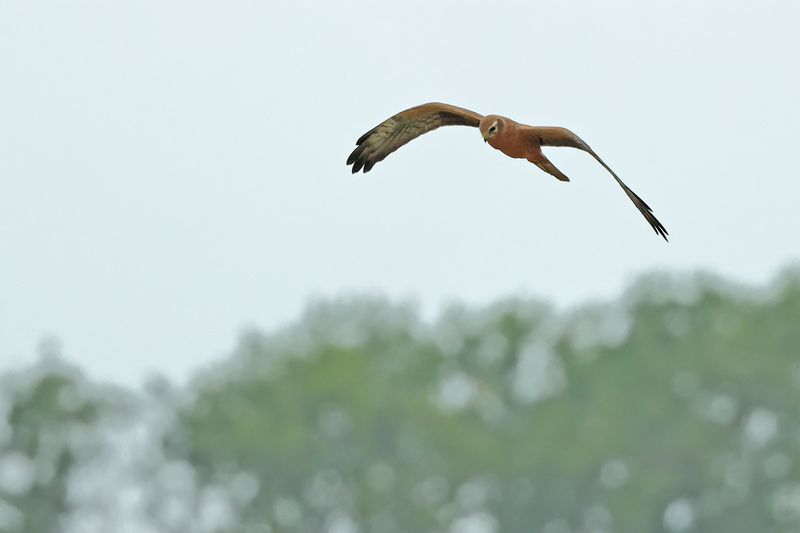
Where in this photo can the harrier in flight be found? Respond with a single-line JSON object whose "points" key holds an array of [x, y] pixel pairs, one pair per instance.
{"points": [[512, 138]]}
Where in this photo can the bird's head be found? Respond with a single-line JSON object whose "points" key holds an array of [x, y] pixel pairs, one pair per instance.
{"points": [[490, 126]]}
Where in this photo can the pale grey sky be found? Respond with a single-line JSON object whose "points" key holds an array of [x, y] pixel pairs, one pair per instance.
{"points": [[171, 171]]}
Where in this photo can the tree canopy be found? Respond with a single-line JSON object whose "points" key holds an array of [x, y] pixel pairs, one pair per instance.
{"points": [[674, 408]]}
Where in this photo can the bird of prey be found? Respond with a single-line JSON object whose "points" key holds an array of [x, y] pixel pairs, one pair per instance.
{"points": [[512, 138]]}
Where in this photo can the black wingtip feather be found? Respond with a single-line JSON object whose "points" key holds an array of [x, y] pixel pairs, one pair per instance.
{"points": [[658, 227], [357, 158], [364, 137]]}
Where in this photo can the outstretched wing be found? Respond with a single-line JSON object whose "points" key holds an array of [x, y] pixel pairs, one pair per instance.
{"points": [[406, 126], [554, 136]]}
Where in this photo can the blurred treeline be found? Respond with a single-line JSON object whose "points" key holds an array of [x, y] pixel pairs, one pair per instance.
{"points": [[674, 408]]}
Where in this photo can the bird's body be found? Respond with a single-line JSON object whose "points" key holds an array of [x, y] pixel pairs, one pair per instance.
{"points": [[515, 140], [509, 140]]}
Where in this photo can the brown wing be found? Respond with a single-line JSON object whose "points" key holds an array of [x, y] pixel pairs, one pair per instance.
{"points": [[542, 162], [406, 126], [555, 136]]}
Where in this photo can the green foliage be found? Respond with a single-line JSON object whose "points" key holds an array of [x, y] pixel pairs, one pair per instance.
{"points": [[675, 408], [48, 430]]}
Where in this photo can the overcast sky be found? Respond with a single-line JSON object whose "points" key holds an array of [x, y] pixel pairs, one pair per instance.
{"points": [[173, 171]]}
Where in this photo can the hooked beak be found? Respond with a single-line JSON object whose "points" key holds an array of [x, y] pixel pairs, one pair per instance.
{"points": [[485, 138]]}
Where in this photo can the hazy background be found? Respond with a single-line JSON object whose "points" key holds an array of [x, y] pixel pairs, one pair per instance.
{"points": [[171, 172]]}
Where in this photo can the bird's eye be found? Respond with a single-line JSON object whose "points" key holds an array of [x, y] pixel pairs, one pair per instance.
{"points": [[491, 130]]}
